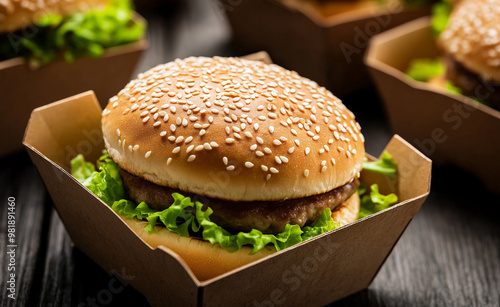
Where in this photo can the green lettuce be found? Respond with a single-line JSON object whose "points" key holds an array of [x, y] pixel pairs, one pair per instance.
{"points": [[185, 217], [374, 201], [385, 165], [425, 69], [81, 34], [440, 16]]}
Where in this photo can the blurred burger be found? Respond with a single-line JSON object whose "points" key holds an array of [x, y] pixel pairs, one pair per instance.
{"points": [[261, 146], [471, 45], [43, 30]]}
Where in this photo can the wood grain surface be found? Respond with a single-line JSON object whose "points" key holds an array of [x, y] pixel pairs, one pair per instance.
{"points": [[448, 256]]}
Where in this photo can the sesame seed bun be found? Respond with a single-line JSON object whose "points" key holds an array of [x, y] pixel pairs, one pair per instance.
{"points": [[19, 14], [233, 129], [207, 260], [472, 37]]}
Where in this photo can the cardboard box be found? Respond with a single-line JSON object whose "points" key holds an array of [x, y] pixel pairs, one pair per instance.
{"points": [[318, 45], [316, 272], [451, 129], [24, 88]]}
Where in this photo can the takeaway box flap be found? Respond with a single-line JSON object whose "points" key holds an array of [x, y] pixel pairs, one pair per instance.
{"points": [[451, 129]]}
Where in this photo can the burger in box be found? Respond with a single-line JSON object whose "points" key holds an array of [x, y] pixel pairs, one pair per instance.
{"points": [[469, 36], [225, 161]]}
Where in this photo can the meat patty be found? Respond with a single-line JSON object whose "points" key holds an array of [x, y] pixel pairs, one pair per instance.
{"points": [[235, 216], [471, 83]]}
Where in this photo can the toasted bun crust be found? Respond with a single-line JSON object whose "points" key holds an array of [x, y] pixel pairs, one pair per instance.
{"points": [[472, 37], [233, 129], [207, 260], [18, 14]]}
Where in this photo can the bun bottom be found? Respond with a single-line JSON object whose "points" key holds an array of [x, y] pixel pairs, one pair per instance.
{"points": [[207, 261]]}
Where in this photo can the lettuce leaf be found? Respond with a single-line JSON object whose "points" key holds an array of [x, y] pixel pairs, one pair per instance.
{"points": [[425, 69], [375, 202], [81, 34], [385, 165], [185, 217], [440, 15]]}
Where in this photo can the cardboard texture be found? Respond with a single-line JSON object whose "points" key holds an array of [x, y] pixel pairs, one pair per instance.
{"points": [[24, 89], [451, 129], [316, 272], [298, 36]]}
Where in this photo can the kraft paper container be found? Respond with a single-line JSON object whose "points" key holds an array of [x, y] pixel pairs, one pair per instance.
{"points": [[313, 273], [24, 88], [451, 129], [298, 36]]}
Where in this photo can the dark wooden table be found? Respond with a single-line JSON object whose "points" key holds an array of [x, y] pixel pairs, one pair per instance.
{"points": [[448, 256]]}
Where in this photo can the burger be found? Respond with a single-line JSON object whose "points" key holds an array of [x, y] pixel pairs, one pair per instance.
{"points": [[471, 46], [263, 157], [41, 31]]}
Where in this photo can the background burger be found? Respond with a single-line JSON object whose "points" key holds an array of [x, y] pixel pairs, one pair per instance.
{"points": [[41, 31], [471, 43], [467, 32], [272, 158]]}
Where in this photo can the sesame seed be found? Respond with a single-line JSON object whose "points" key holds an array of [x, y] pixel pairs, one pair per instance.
{"points": [[145, 119], [147, 154], [267, 150], [225, 160], [333, 161], [297, 142], [188, 139], [273, 170], [207, 146], [135, 147], [179, 139], [256, 126], [248, 164], [202, 132], [277, 159], [191, 158], [229, 140], [259, 153], [199, 147], [189, 149], [268, 176], [271, 129], [253, 147], [259, 140], [306, 173], [230, 168], [323, 169], [307, 150], [169, 160], [172, 128], [171, 138], [163, 133], [144, 113], [176, 149], [264, 168], [130, 148], [316, 137], [248, 134], [214, 144]]}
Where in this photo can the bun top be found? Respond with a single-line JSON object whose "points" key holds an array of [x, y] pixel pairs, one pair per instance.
{"points": [[233, 129], [472, 37], [18, 14]]}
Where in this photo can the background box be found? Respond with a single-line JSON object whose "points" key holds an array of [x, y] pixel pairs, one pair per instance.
{"points": [[449, 128], [24, 88]]}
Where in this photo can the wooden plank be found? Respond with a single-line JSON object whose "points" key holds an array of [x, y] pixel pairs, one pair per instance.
{"points": [[19, 179]]}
